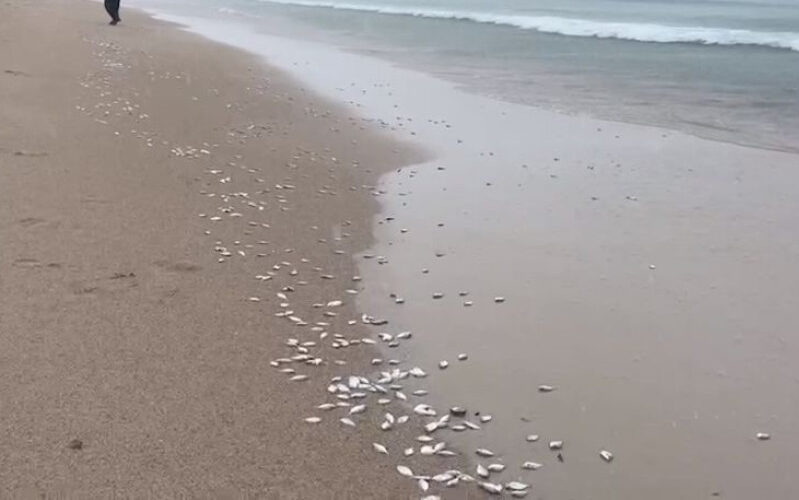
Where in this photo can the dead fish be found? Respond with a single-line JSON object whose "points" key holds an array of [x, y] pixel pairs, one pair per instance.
{"points": [[532, 438], [347, 421], [313, 420], [425, 410], [555, 445], [482, 471], [443, 364], [484, 452], [458, 411], [462, 356], [494, 489], [423, 484], [326, 406], [357, 409], [499, 300], [517, 486], [531, 466], [545, 388], [606, 455], [298, 378], [408, 452], [437, 295], [763, 436], [485, 418], [417, 372], [443, 477], [405, 471], [496, 467], [380, 448]]}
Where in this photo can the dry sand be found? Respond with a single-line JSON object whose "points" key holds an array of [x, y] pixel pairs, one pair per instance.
{"points": [[132, 362]]}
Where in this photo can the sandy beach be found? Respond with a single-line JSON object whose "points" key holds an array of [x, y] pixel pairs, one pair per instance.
{"points": [[236, 264], [134, 363]]}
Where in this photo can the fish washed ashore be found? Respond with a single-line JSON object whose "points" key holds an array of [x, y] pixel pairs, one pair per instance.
{"points": [[135, 360], [179, 280]]}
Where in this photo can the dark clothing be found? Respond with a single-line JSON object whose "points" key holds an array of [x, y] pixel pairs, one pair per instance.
{"points": [[112, 7]]}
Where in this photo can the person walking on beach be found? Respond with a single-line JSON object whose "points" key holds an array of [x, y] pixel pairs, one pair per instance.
{"points": [[112, 7]]}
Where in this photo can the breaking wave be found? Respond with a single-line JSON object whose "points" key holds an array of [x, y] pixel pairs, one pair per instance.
{"points": [[642, 32]]}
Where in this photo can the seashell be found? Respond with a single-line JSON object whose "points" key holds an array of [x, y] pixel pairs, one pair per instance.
{"points": [[313, 420], [531, 466], [606, 455], [494, 489], [380, 448], [404, 471], [484, 452]]}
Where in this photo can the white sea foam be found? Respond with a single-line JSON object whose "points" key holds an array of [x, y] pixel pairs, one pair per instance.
{"points": [[642, 32]]}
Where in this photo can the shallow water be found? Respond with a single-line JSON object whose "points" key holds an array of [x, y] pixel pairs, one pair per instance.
{"points": [[724, 70], [648, 276]]}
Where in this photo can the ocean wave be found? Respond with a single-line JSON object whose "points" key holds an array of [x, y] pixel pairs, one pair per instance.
{"points": [[641, 32]]}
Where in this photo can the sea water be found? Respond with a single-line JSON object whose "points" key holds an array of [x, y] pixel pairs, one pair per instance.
{"points": [[727, 70]]}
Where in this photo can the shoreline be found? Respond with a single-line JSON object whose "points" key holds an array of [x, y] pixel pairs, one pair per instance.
{"points": [[619, 249], [267, 166]]}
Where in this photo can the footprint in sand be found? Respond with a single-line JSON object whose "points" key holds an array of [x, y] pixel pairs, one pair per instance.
{"points": [[178, 266]]}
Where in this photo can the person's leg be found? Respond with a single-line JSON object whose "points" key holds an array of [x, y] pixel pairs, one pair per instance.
{"points": [[112, 7]]}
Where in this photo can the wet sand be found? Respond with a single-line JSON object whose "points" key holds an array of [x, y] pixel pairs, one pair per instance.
{"points": [[133, 361], [647, 276]]}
